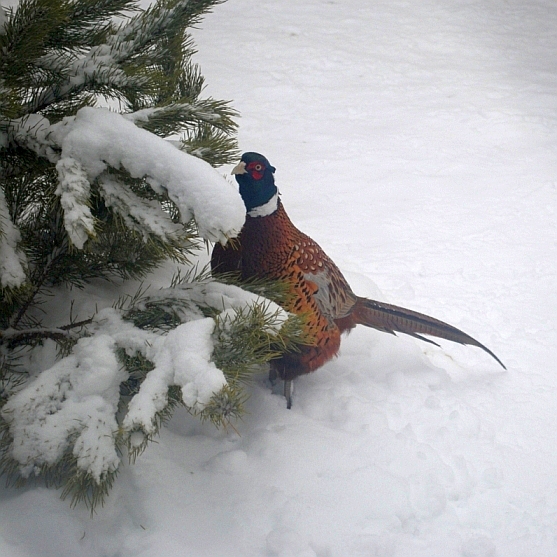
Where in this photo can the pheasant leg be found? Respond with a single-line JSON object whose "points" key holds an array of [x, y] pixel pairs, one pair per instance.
{"points": [[288, 392]]}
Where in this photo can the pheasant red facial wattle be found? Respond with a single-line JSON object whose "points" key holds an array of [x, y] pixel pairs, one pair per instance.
{"points": [[256, 170], [270, 246]]}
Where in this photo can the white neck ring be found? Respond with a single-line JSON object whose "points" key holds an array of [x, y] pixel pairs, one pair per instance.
{"points": [[267, 209]]}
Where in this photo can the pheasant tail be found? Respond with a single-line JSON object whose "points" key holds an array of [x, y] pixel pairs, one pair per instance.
{"points": [[395, 319]]}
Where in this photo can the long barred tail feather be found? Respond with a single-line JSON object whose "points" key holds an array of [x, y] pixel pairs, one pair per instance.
{"points": [[395, 319]]}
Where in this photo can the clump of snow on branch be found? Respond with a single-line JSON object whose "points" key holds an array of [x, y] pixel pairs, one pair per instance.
{"points": [[221, 297], [73, 190], [12, 261], [98, 138], [71, 407], [33, 131], [182, 358], [86, 145], [142, 215], [77, 397]]}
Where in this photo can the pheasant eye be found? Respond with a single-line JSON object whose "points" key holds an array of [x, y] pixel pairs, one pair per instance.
{"points": [[256, 169]]}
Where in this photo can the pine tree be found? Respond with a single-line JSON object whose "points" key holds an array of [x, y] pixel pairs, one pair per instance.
{"points": [[92, 188]]}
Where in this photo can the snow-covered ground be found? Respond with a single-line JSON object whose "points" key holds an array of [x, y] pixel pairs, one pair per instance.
{"points": [[415, 141]]}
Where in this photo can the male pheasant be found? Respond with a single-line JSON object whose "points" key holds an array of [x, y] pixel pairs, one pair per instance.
{"points": [[270, 246]]}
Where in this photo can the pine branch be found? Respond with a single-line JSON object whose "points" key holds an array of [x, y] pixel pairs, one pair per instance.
{"points": [[38, 284], [88, 195], [13, 338], [25, 37], [170, 119], [116, 67], [210, 144], [89, 22]]}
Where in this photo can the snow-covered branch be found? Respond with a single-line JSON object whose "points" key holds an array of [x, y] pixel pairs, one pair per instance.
{"points": [[86, 194], [143, 215], [74, 191], [96, 139], [12, 260], [71, 407], [75, 399]]}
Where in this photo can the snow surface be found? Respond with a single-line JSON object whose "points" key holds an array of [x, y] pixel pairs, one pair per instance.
{"points": [[415, 141]]}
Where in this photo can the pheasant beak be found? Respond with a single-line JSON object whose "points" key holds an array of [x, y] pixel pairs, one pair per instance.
{"points": [[240, 168]]}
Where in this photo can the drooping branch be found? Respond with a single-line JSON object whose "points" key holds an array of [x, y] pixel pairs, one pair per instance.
{"points": [[14, 337]]}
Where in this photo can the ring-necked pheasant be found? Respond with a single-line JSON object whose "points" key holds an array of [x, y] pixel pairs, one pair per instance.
{"points": [[270, 246]]}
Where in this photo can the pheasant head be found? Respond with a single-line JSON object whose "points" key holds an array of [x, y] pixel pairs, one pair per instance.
{"points": [[254, 174]]}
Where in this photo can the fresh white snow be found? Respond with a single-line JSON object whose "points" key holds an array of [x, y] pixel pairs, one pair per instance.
{"points": [[415, 141], [78, 397], [71, 406], [97, 138], [12, 261]]}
